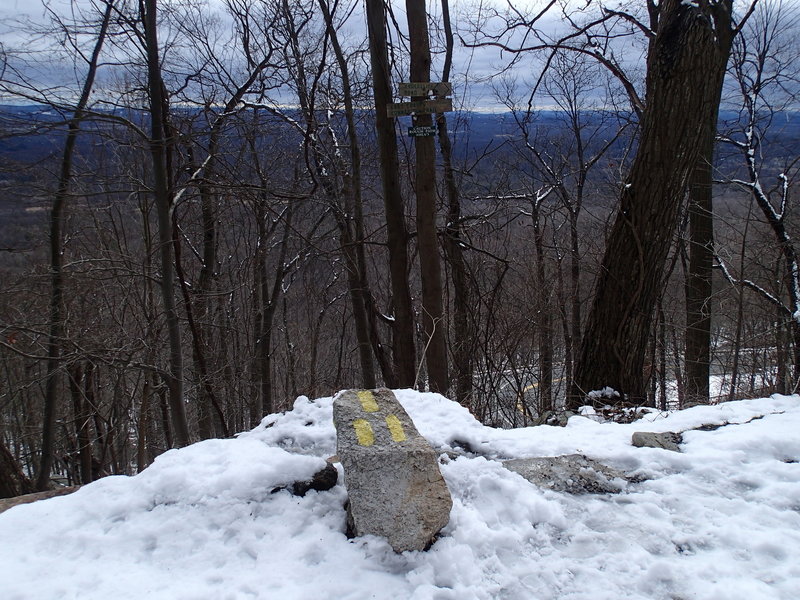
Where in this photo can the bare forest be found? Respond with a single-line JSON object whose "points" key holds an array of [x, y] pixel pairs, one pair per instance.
{"points": [[207, 211]]}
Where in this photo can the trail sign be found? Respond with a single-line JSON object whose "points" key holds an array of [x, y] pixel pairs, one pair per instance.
{"points": [[437, 88], [422, 131], [420, 107]]}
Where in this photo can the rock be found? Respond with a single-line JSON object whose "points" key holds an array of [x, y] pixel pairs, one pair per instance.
{"points": [[7, 503], [391, 472], [571, 473], [667, 440], [556, 418], [321, 481]]}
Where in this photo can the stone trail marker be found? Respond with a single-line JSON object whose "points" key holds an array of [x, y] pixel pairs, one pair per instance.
{"points": [[391, 472]]}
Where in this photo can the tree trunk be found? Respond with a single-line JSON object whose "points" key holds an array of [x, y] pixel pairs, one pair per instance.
{"points": [[268, 294], [544, 319], [174, 377], [462, 333], [57, 220], [425, 187], [403, 350], [202, 332], [686, 60], [13, 481], [82, 415], [352, 244], [701, 261]]}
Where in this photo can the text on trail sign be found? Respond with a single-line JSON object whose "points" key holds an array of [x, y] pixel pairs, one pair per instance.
{"points": [[422, 131], [436, 88], [419, 107]]}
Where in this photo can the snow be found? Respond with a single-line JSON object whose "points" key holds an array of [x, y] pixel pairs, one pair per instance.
{"points": [[720, 521]]}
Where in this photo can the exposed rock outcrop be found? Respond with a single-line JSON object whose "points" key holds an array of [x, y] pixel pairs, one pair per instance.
{"points": [[667, 440], [571, 473]]}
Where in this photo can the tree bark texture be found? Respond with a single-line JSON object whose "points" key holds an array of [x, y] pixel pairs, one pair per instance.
{"points": [[544, 320], [403, 350], [174, 376], [351, 223], [687, 56], [57, 220], [425, 187], [462, 335], [13, 481], [701, 255], [699, 276]]}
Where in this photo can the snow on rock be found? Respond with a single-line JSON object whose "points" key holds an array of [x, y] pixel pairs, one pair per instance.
{"points": [[721, 521]]}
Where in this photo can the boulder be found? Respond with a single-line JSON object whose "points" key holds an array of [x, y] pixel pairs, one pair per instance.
{"points": [[321, 481], [667, 440], [570, 473], [391, 473]]}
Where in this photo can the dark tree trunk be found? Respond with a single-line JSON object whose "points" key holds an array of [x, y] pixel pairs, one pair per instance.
{"points": [[269, 294], [574, 340], [425, 187], [404, 352], [207, 397], [780, 353], [686, 60], [544, 319], [202, 332], [174, 377], [13, 481], [352, 241], [701, 262], [82, 414], [57, 219], [662, 360], [462, 340]]}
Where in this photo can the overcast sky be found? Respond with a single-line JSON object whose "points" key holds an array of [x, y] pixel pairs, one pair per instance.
{"points": [[472, 67]]}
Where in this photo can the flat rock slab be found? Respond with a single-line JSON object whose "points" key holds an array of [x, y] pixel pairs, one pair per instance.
{"points": [[570, 473], [667, 440], [7, 503], [391, 473]]}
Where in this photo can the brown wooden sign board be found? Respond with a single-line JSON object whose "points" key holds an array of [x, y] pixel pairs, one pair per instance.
{"points": [[419, 107], [437, 88]]}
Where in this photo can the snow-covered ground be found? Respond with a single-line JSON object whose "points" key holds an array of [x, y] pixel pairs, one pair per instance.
{"points": [[720, 521]]}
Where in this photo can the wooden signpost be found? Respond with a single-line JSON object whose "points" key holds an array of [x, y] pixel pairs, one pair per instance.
{"points": [[422, 107], [434, 88]]}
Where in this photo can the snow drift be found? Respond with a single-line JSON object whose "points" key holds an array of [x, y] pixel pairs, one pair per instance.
{"points": [[719, 521]]}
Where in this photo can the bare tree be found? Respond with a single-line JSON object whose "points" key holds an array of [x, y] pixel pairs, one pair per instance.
{"points": [[425, 188], [403, 350], [57, 219], [766, 81], [164, 206]]}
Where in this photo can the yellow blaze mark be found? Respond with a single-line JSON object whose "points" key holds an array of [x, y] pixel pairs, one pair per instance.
{"points": [[395, 428], [367, 400], [364, 433]]}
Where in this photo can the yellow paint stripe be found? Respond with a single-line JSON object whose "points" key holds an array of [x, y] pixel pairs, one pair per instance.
{"points": [[364, 433], [367, 400], [395, 428]]}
